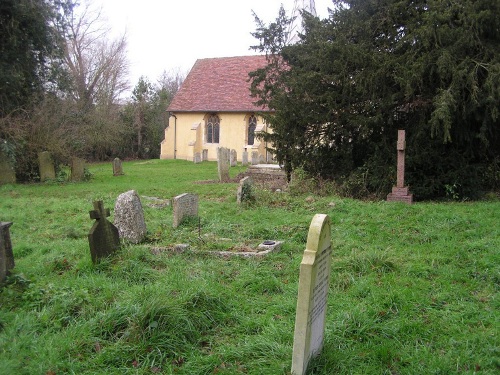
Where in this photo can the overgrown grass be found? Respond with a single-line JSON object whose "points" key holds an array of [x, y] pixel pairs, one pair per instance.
{"points": [[414, 289]]}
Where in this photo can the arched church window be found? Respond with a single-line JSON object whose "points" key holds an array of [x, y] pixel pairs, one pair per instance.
{"points": [[212, 128], [252, 124]]}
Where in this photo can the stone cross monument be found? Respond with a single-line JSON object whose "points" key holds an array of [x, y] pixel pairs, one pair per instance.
{"points": [[400, 193], [104, 239]]}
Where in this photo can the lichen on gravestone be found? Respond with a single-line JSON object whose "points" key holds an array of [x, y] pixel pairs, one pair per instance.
{"points": [[129, 217]]}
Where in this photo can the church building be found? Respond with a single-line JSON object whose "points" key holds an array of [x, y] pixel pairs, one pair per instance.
{"points": [[213, 108]]}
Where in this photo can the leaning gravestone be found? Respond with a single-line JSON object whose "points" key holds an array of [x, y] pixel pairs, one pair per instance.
{"points": [[117, 167], [223, 163], [184, 205], [46, 165], [6, 254], [129, 217], [313, 294], [77, 169], [7, 173], [104, 239]]}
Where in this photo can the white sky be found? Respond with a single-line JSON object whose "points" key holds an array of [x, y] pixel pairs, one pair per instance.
{"points": [[170, 35]]}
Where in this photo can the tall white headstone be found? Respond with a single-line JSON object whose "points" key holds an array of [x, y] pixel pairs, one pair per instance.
{"points": [[313, 294]]}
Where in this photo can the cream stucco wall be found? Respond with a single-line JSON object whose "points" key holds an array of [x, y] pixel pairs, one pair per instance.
{"points": [[187, 136]]}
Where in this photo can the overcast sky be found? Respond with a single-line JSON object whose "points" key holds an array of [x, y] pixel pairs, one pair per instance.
{"points": [[173, 34]]}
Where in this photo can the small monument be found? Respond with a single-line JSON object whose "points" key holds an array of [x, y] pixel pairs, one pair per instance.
{"points": [[46, 166], [104, 239], [244, 157], [255, 157], [400, 193], [223, 164], [245, 193], [117, 167], [7, 173], [313, 294], [6, 254], [129, 217], [77, 169], [184, 205], [233, 158]]}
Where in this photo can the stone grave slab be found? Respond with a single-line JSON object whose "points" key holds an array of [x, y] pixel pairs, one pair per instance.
{"points": [[184, 206], [46, 166], [233, 158], [6, 254], [129, 217], [312, 294], [117, 167], [104, 238], [77, 169], [244, 157], [223, 164], [204, 155], [255, 157], [244, 193], [7, 173]]}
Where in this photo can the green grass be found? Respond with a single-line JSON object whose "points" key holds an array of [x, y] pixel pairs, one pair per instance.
{"points": [[414, 289]]}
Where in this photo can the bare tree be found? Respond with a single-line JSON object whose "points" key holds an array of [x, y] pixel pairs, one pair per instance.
{"points": [[98, 66]]}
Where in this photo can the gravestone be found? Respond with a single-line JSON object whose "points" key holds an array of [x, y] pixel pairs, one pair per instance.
{"points": [[255, 157], [184, 205], [129, 217], [197, 158], [46, 166], [104, 238], [7, 173], [244, 193], [312, 295], [77, 169], [117, 167], [233, 158], [244, 157], [223, 164], [400, 193], [204, 155], [6, 254]]}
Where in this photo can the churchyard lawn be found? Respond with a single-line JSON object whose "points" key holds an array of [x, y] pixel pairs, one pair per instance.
{"points": [[414, 289]]}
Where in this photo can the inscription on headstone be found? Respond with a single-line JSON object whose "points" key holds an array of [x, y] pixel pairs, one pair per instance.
{"points": [[46, 165], [6, 254], [129, 217], [184, 205], [312, 295], [117, 167], [400, 193], [223, 164], [7, 173], [77, 169], [104, 239]]}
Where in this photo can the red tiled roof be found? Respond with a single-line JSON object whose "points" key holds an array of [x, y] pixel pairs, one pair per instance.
{"points": [[218, 85]]}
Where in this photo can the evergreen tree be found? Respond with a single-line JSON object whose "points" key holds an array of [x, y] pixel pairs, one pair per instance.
{"points": [[431, 67]]}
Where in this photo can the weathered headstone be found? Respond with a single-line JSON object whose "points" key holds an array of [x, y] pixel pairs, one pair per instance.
{"points": [[244, 157], [46, 166], [233, 158], [204, 155], [197, 158], [7, 173], [77, 169], [223, 164], [244, 193], [400, 193], [117, 167], [104, 239], [129, 217], [6, 254], [312, 295], [255, 157], [184, 205]]}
